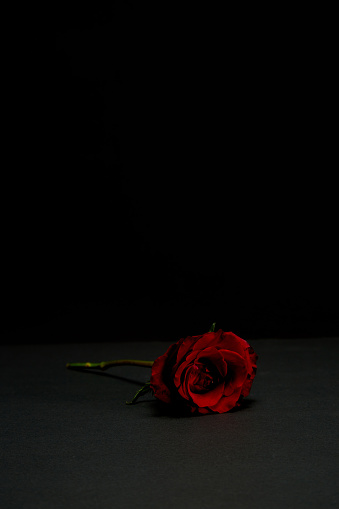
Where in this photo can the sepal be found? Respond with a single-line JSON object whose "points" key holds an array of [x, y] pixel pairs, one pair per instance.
{"points": [[144, 390]]}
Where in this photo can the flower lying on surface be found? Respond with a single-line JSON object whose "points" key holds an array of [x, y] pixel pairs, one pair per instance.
{"points": [[212, 372], [209, 373]]}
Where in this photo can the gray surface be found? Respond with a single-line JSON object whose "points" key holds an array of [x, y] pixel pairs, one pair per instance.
{"points": [[68, 440]]}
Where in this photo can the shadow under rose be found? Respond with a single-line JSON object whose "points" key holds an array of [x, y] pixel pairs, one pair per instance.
{"points": [[245, 404], [161, 409]]}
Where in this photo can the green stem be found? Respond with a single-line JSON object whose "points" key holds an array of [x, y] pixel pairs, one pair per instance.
{"points": [[110, 364]]}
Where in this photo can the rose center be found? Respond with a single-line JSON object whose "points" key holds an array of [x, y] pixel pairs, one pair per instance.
{"points": [[201, 378]]}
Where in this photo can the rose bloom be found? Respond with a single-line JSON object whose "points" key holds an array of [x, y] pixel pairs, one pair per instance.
{"points": [[209, 373]]}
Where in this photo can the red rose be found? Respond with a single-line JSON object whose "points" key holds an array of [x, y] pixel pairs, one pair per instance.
{"points": [[207, 373]]}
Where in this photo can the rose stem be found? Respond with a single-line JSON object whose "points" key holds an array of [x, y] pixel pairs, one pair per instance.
{"points": [[109, 364]]}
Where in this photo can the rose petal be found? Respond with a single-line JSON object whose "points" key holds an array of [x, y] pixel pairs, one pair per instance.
{"points": [[215, 357], [226, 403], [229, 389], [191, 357], [207, 340], [230, 341], [246, 388], [202, 410], [208, 398], [185, 346], [237, 368], [181, 379], [158, 385]]}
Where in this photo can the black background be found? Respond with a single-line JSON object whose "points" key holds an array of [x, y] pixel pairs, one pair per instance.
{"points": [[165, 169]]}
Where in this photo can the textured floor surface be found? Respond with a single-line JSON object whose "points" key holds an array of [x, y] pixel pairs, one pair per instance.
{"points": [[68, 440]]}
